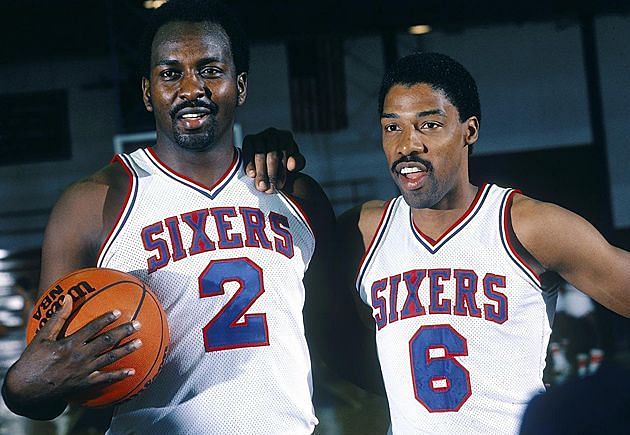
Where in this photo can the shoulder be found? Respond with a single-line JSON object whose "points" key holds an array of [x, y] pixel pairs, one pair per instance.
{"points": [[94, 189], [371, 213], [79, 222], [547, 230], [364, 219], [92, 204]]}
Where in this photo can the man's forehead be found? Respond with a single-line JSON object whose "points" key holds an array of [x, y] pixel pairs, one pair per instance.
{"points": [[184, 32], [418, 94]]}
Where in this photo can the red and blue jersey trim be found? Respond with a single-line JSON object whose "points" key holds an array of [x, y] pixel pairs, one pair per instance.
{"points": [[376, 240], [211, 192], [509, 244], [298, 211], [125, 210], [434, 246]]}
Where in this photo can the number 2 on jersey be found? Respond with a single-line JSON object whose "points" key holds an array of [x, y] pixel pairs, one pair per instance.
{"points": [[223, 331], [440, 382]]}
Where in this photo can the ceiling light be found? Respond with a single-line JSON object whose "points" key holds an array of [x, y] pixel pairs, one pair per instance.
{"points": [[153, 4], [420, 29]]}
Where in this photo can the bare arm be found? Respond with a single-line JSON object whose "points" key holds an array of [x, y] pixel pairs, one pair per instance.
{"points": [[317, 279], [566, 243], [51, 367], [353, 339]]}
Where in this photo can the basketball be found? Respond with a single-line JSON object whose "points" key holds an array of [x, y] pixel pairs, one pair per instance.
{"points": [[96, 291]]}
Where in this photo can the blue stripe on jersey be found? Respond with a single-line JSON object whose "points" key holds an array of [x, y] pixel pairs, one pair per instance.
{"points": [[129, 206], [297, 212], [462, 224], [207, 193], [377, 241], [516, 261]]}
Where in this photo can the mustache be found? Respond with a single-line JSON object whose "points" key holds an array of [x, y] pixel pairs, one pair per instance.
{"points": [[412, 158], [211, 106]]}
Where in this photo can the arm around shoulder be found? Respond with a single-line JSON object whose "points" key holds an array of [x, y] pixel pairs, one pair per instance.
{"points": [[566, 243]]}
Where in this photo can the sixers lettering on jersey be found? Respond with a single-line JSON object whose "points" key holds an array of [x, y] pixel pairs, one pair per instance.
{"points": [[461, 321], [227, 264], [423, 292], [155, 237]]}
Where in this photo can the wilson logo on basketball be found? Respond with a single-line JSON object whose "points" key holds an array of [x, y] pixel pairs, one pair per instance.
{"points": [[51, 301]]}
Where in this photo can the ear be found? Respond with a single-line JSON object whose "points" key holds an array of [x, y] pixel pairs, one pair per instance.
{"points": [[471, 130], [241, 88], [146, 94]]}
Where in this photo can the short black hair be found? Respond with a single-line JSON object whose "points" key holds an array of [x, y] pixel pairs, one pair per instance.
{"points": [[198, 11], [441, 73]]}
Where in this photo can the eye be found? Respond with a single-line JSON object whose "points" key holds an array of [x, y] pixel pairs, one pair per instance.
{"points": [[169, 74], [210, 71], [430, 125], [391, 127]]}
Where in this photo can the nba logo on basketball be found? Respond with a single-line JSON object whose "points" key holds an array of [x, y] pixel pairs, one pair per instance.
{"points": [[51, 301]]}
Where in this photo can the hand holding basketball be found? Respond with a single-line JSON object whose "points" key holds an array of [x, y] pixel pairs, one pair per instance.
{"points": [[52, 369], [83, 350]]}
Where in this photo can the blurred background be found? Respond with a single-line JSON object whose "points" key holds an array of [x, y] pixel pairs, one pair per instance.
{"points": [[554, 82]]}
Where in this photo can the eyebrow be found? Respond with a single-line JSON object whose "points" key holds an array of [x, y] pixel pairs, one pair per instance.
{"points": [[418, 115], [205, 60], [166, 62]]}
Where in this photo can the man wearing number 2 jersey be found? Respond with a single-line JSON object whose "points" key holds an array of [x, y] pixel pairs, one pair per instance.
{"points": [[458, 278], [233, 267]]}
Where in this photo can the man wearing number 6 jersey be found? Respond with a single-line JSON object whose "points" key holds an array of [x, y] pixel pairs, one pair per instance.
{"points": [[459, 278], [233, 267]]}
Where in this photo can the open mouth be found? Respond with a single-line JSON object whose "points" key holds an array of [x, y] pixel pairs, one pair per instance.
{"points": [[192, 118], [411, 175]]}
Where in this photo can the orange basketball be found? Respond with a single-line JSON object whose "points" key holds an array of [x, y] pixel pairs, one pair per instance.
{"points": [[96, 291]]}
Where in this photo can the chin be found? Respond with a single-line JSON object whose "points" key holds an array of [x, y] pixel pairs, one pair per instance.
{"points": [[421, 198], [196, 142]]}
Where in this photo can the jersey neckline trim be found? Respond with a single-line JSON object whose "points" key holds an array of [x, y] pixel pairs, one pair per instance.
{"points": [[434, 246], [211, 192]]}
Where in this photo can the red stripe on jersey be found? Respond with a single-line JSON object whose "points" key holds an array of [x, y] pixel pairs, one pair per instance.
{"points": [[467, 213], [167, 168], [374, 237], [516, 248], [130, 183], [299, 211]]}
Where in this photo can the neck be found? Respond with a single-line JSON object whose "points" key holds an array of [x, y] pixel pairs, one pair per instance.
{"points": [[204, 167], [436, 219]]}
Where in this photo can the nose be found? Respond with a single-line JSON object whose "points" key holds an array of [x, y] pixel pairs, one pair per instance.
{"points": [[191, 87], [411, 142]]}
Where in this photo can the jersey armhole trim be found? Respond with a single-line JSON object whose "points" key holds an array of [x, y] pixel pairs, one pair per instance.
{"points": [[515, 250], [298, 210], [125, 210], [375, 242]]}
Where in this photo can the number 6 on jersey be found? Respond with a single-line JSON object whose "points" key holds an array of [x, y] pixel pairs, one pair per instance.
{"points": [[440, 382], [223, 331]]}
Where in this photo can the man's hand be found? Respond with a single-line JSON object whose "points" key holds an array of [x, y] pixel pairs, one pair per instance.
{"points": [[269, 154], [51, 369]]}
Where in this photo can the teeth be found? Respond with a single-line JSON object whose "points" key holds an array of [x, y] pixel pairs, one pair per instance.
{"points": [[406, 171], [192, 115]]}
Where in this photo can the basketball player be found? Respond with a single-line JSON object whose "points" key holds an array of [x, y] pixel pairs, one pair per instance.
{"points": [[226, 261], [457, 276], [458, 279]]}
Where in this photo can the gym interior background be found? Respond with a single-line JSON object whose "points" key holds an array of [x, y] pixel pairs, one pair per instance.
{"points": [[553, 77]]}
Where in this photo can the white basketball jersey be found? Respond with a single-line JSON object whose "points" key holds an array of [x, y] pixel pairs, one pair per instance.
{"points": [[227, 265], [462, 326]]}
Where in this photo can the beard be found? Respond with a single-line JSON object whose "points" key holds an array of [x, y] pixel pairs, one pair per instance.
{"points": [[424, 198], [201, 141]]}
